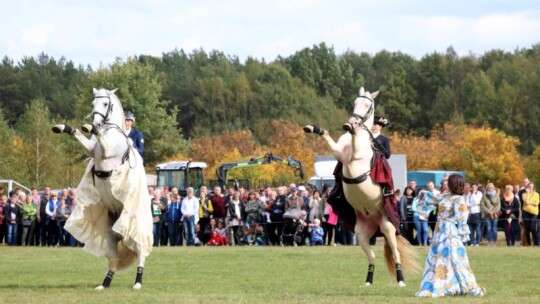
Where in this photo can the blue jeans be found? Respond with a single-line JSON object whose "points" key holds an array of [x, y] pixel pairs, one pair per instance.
{"points": [[157, 233], [476, 231], [12, 234], [189, 227], [421, 230], [491, 227], [174, 234]]}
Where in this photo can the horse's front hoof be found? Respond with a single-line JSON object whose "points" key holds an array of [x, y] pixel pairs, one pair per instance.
{"points": [[308, 129], [137, 286], [401, 284], [100, 287], [348, 128], [58, 128], [87, 128], [368, 284]]}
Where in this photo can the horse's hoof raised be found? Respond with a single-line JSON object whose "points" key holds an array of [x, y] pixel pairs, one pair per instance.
{"points": [[137, 286], [401, 284], [58, 128], [348, 128], [308, 129], [100, 287], [87, 128], [368, 284]]}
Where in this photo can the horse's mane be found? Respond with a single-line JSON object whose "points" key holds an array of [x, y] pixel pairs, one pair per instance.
{"points": [[117, 104]]}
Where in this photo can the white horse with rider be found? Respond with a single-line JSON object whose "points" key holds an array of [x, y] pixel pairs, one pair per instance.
{"points": [[112, 216], [354, 149]]}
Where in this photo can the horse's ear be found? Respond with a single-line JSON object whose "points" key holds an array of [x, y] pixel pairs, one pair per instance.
{"points": [[112, 91], [361, 93], [95, 91], [374, 94]]}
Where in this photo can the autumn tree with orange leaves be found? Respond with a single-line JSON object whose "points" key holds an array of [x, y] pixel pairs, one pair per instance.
{"points": [[484, 153]]}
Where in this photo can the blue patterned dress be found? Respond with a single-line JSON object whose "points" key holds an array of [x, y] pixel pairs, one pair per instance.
{"points": [[447, 271]]}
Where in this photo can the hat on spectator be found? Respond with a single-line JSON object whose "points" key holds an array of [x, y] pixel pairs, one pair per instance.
{"points": [[380, 120], [301, 188], [294, 189], [130, 116]]}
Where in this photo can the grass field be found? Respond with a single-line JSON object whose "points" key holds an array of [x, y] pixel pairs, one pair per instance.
{"points": [[251, 275]]}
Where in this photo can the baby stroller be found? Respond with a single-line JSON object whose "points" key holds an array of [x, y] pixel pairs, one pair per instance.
{"points": [[294, 228]]}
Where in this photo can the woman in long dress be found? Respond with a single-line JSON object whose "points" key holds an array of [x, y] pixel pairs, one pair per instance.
{"points": [[447, 271]]}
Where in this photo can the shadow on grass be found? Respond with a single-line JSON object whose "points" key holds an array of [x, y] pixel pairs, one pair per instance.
{"points": [[45, 286]]}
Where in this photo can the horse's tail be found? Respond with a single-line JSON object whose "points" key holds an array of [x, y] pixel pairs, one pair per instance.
{"points": [[407, 253], [126, 256]]}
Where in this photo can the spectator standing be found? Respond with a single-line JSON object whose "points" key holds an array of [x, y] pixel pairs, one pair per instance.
{"points": [[316, 207], [420, 223], [432, 219], [42, 216], [253, 210], [29, 211], [277, 209], [236, 212], [3, 224], [206, 210], [329, 219], [173, 219], [530, 214], [158, 209], [490, 206], [475, 216], [218, 204], [63, 211], [190, 210], [50, 222], [406, 214], [135, 135], [13, 216], [510, 215], [520, 192]]}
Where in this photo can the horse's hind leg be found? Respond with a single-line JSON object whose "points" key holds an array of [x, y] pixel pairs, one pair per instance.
{"points": [[112, 254], [364, 230], [140, 268], [389, 231]]}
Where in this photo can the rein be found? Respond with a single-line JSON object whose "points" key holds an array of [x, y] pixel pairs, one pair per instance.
{"points": [[362, 177]]}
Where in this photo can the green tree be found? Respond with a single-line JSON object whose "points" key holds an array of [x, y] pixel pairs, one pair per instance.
{"points": [[42, 150]]}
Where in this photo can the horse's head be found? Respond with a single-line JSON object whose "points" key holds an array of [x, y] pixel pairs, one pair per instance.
{"points": [[362, 115], [103, 107]]}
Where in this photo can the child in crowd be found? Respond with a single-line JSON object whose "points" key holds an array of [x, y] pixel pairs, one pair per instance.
{"points": [[215, 240], [316, 233], [224, 240], [260, 237], [245, 235]]}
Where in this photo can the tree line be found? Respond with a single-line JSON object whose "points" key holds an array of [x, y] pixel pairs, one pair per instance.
{"points": [[181, 98]]}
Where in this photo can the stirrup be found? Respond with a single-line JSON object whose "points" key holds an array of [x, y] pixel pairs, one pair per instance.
{"points": [[387, 191]]}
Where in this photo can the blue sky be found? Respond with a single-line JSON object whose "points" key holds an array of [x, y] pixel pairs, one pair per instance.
{"points": [[96, 32]]}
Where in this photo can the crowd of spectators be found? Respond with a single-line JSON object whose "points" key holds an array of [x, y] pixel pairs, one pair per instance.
{"points": [[514, 210], [260, 217]]}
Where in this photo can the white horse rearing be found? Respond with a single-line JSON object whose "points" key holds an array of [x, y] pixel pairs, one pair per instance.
{"points": [[111, 216], [354, 151]]}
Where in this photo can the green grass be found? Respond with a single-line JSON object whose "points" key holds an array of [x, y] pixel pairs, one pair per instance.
{"points": [[251, 275]]}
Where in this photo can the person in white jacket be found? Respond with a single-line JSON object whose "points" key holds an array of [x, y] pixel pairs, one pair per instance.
{"points": [[190, 210]]}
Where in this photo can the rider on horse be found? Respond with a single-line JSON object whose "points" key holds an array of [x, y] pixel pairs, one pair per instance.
{"points": [[380, 173]]}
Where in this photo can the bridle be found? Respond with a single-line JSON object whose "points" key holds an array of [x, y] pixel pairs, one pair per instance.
{"points": [[109, 109], [365, 117]]}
